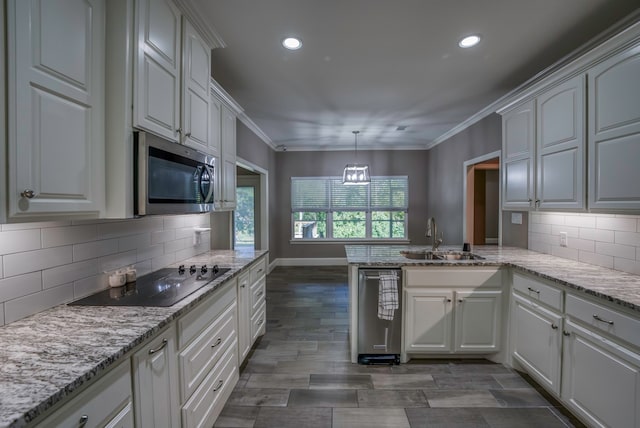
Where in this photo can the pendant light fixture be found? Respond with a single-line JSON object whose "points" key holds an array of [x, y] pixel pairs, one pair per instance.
{"points": [[355, 173]]}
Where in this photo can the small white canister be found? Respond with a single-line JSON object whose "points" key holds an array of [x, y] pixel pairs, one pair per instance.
{"points": [[117, 279]]}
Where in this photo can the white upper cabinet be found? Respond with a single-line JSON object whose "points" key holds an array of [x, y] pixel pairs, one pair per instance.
{"points": [[518, 145], [224, 117], [544, 150], [172, 69], [195, 89], [560, 154], [614, 132], [228, 167], [55, 108], [156, 102]]}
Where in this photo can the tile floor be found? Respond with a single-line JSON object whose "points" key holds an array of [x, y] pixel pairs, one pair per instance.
{"points": [[299, 374]]}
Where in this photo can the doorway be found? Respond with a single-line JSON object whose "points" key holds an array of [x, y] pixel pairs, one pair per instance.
{"points": [[250, 220], [482, 219], [247, 212]]}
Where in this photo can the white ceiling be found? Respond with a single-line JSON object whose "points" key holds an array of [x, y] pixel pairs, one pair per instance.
{"points": [[374, 65]]}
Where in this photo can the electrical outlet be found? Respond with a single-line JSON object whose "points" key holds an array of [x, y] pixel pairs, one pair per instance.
{"points": [[563, 239]]}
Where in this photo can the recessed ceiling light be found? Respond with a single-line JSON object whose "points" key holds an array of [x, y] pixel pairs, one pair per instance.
{"points": [[469, 41], [292, 43]]}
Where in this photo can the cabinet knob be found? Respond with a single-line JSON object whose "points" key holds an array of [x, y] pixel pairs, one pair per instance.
{"points": [[566, 333], [179, 131], [460, 300], [448, 300], [553, 326], [188, 135], [28, 193]]}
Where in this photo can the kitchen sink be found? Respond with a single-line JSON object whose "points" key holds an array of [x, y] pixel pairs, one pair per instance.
{"points": [[439, 255]]}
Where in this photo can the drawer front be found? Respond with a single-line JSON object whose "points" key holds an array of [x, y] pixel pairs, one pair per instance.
{"points": [[604, 319], [455, 276], [196, 320], [258, 322], [207, 402], [258, 270], [257, 295], [106, 401], [538, 291], [197, 359]]}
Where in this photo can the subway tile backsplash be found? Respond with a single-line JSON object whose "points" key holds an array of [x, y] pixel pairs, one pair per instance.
{"points": [[48, 263], [608, 240]]}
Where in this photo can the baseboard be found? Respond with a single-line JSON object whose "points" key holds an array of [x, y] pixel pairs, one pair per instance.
{"points": [[329, 261]]}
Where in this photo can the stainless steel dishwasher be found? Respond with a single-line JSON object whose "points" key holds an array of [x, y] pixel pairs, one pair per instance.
{"points": [[378, 340]]}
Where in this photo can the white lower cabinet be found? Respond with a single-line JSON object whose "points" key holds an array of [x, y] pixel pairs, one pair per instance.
{"points": [[154, 380], [600, 379], [452, 310], [536, 340], [428, 320], [207, 359], [106, 403], [244, 317]]}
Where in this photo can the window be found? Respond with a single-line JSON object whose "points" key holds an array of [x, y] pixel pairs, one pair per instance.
{"points": [[322, 208]]}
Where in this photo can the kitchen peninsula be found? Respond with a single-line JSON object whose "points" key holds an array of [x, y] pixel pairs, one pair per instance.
{"points": [[50, 357], [574, 327]]}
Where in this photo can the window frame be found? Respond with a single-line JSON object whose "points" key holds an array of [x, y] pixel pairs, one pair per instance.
{"points": [[329, 211]]}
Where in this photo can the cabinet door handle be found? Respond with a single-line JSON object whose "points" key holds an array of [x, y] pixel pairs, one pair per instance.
{"points": [[597, 317], [566, 333], [83, 421], [260, 270], [28, 193], [219, 341], [553, 326], [447, 300], [529, 200], [188, 135], [160, 348], [220, 383], [537, 202], [460, 300], [244, 284], [533, 290]]}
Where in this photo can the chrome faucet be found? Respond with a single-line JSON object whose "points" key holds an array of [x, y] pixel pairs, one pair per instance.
{"points": [[432, 231]]}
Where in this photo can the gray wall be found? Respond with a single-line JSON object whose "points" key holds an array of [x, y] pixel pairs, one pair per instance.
{"points": [[444, 166], [331, 163]]}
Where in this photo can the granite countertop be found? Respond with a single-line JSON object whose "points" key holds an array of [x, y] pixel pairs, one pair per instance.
{"points": [[611, 285], [47, 356]]}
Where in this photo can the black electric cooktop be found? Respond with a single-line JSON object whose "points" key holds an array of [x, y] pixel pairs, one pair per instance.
{"points": [[164, 287]]}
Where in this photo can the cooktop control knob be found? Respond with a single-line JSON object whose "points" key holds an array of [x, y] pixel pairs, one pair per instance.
{"points": [[192, 269], [204, 269], [215, 269], [181, 269]]}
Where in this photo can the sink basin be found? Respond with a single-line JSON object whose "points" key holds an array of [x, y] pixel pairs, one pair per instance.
{"points": [[439, 255]]}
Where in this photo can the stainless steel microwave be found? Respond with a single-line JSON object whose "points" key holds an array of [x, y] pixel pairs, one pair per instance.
{"points": [[171, 178]]}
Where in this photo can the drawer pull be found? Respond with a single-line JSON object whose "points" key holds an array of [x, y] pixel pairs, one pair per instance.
{"points": [[219, 341], [244, 284], [160, 348], [220, 383], [260, 293], [260, 322], [83, 421], [596, 317], [553, 326], [533, 290]]}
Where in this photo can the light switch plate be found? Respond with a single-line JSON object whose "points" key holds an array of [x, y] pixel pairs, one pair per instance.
{"points": [[516, 218]]}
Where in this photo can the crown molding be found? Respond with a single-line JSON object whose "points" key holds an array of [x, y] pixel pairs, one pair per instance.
{"points": [[256, 130], [224, 96], [205, 29]]}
